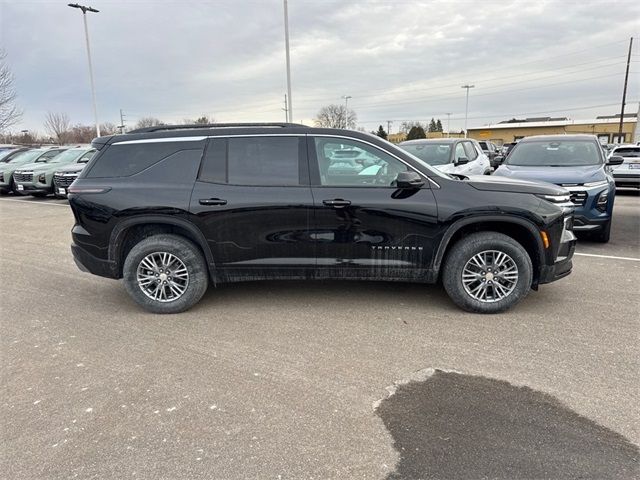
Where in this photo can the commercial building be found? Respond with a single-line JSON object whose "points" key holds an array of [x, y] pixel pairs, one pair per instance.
{"points": [[604, 127]]}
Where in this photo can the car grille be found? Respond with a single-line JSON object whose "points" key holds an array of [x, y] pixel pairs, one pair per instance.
{"points": [[63, 181], [578, 198], [23, 177]]}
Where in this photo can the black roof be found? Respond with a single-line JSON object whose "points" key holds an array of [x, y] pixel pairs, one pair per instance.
{"points": [[433, 140], [225, 129]]}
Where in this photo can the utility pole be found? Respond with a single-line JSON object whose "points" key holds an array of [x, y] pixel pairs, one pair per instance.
{"points": [[624, 92], [286, 108], [346, 108], [389, 122], [286, 42], [448, 124], [121, 126], [86, 36], [466, 108]]}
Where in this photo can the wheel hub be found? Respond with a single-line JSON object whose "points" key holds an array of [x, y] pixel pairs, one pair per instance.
{"points": [[490, 276], [162, 276]]}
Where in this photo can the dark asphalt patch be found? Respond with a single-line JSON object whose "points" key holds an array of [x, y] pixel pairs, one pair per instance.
{"points": [[455, 426]]}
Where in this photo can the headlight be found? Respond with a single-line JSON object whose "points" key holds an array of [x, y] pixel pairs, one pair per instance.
{"points": [[42, 178], [603, 200], [562, 198], [600, 183]]}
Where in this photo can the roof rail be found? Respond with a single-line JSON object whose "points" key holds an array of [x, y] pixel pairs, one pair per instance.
{"points": [[160, 128]]}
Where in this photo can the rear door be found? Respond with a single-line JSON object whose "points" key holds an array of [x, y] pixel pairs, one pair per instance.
{"points": [[364, 227], [252, 201]]}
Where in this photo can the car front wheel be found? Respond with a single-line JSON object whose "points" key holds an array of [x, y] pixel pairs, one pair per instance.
{"points": [[487, 272], [165, 274]]}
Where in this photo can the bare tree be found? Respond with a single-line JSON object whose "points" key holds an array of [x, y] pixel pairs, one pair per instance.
{"points": [[58, 126], [145, 122], [108, 128], [10, 114], [336, 116], [204, 119]]}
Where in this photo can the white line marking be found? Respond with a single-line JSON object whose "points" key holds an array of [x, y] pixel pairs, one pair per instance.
{"points": [[38, 203], [608, 256]]}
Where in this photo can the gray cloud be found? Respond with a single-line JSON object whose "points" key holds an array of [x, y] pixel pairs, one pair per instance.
{"points": [[398, 60]]}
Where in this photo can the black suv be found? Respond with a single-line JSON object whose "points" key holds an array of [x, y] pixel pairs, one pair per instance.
{"points": [[172, 208]]}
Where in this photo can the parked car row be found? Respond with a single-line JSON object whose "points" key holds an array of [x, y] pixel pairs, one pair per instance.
{"points": [[41, 171]]}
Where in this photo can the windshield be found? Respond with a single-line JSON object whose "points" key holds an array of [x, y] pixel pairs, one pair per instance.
{"points": [[556, 153], [431, 153], [48, 155], [4, 154], [24, 157], [67, 156]]}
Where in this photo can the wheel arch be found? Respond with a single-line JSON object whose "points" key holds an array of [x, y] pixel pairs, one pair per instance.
{"points": [[130, 231], [521, 230]]}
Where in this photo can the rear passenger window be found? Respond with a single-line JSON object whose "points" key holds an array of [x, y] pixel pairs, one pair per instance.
{"points": [[266, 161], [128, 159]]}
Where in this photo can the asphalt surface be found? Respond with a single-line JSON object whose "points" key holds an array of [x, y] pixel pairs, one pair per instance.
{"points": [[314, 380]]}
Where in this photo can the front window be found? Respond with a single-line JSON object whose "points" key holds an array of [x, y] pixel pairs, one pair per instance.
{"points": [[86, 157], [431, 153], [555, 153], [368, 167]]}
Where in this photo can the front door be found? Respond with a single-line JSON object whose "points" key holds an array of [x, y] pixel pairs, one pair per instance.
{"points": [[253, 203], [363, 226]]}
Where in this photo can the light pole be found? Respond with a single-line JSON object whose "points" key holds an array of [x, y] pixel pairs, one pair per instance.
{"points": [[466, 108], [286, 45], [86, 36], [346, 108], [448, 125]]}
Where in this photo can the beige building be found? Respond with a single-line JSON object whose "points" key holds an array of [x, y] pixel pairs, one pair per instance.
{"points": [[604, 127]]}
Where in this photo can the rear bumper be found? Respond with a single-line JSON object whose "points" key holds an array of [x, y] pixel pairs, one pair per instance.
{"points": [[627, 180], [88, 263]]}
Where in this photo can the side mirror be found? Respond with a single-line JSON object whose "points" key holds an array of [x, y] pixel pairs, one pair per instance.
{"points": [[499, 158], [615, 160], [409, 179], [461, 161]]}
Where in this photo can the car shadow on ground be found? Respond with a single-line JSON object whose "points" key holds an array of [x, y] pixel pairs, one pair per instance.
{"points": [[455, 426]]}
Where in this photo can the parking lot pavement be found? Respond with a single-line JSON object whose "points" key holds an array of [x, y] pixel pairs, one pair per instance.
{"points": [[295, 380]]}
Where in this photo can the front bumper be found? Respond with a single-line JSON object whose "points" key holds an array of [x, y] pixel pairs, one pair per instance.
{"points": [[31, 188], [562, 266]]}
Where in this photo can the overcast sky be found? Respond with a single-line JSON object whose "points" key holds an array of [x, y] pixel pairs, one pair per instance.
{"points": [[399, 60]]}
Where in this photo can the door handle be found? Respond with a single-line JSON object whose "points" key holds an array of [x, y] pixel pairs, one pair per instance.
{"points": [[337, 203], [212, 201]]}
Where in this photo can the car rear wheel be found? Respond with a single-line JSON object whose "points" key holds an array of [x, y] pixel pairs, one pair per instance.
{"points": [[487, 272], [165, 274]]}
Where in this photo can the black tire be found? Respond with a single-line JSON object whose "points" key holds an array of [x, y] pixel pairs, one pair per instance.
{"points": [[473, 244], [187, 252], [604, 235]]}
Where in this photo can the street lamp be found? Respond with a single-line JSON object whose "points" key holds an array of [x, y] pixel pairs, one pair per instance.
{"points": [[346, 108], [86, 36], [466, 108], [286, 45]]}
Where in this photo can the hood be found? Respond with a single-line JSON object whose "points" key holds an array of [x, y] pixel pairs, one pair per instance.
{"points": [[557, 175], [73, 168], [501, 184], [31, 166]]}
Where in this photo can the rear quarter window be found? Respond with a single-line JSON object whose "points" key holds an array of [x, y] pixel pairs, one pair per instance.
{"points": [[129, 159]]}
